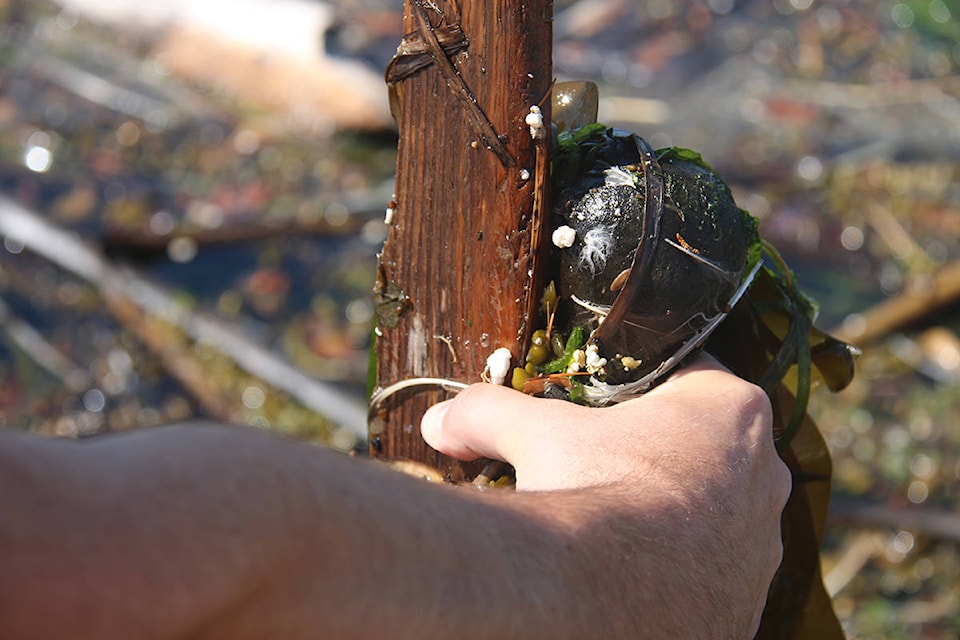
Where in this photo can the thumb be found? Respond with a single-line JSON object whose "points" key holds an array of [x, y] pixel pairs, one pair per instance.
{"points": [[486, 420]]}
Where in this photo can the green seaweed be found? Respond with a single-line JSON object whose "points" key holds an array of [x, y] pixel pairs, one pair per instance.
{"points": [[574, 342]]}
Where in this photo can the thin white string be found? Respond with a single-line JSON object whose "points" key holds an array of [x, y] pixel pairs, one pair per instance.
{"points": [[380, 395]]}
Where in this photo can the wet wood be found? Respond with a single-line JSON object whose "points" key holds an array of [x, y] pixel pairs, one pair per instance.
{"points": [[460, 266]]}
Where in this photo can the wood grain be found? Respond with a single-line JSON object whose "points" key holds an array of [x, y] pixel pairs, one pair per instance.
{"points": [[466, 235]]}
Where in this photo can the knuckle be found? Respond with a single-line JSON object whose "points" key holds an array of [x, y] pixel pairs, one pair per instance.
{"points": [[744, 396], [777, 552], [754, 399], [784, 484]]}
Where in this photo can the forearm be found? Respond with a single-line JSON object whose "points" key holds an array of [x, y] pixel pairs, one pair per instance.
{"points": [[645, 519], [152, 534], [558, 564], [217, 533]]}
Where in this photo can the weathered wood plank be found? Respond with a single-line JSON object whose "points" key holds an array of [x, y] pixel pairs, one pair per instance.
{"points": [[466, 231]]}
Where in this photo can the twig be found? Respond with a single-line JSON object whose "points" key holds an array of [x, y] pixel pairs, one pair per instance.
{"points": [[925, 521], [940, 608], [871, 96], [29, 340], [143, 238], [937, 291], [865, 546], [895, 235], [175, 355]]}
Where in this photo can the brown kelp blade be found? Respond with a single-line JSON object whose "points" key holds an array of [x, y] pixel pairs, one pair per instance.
{"points": [[832, 359], [798, 606]]}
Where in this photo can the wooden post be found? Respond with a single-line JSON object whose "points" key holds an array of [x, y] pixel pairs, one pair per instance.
{"points": [[459, 272]]}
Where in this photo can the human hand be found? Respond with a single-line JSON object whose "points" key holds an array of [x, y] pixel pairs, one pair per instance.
{"points": [[697, 450]]}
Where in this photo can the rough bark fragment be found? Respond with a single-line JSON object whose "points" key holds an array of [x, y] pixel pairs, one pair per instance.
{"points": [[462, 248]]}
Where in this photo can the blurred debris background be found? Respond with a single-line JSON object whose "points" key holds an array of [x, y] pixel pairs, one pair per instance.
{"points": [[192, 196]]}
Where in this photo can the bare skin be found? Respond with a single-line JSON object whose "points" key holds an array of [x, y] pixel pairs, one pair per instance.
{"points": [[658, 518]]}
